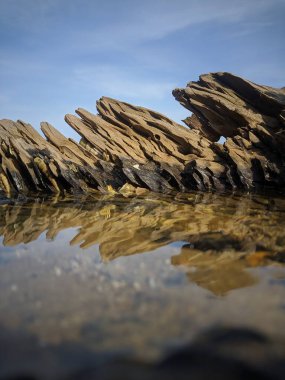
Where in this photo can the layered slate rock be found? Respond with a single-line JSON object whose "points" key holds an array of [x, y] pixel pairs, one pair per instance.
{"points": [[131, 149], [251, 117], [122, 148]]}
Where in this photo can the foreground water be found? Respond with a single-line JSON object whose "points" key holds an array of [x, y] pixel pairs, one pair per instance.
{"points": [[135, 276]]}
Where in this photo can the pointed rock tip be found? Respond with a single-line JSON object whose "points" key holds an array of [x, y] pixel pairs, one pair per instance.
{"points": [[177, 92], [45, 123], [45, 126], [107, 99], [68, 116], [81, 110], [21, 122]]}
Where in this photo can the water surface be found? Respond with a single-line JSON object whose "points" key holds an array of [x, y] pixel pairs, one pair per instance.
{"points": [[137, 276]]}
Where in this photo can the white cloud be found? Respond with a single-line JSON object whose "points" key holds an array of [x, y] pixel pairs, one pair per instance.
{"points": [[20, 65], [122, 24], [273, 72], [114, 81], [52, 44], [151, 20]]}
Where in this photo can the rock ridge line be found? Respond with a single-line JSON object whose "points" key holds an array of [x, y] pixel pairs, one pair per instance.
{"points": [[130, 150]]}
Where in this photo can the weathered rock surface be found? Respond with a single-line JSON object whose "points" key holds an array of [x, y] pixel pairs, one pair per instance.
{"points": [[128, 148], [251, 117], [122, 145]]}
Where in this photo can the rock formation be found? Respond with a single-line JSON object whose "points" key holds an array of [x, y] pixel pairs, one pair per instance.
{"points": [[129, 149], [251, 117]]}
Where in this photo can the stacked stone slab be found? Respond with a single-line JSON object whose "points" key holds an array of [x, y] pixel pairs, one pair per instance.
{"points": [[125, 148], [251, 118]]}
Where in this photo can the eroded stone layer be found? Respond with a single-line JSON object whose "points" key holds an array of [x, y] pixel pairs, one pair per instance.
{"points": [[129, 149], [251, 117]]}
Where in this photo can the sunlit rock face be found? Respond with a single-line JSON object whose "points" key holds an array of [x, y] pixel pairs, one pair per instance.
{"points": [[130, 146], [250, 116], [121, 145]]}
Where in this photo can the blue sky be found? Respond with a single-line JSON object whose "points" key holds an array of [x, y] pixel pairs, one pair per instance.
{"points": [[57, 55]]}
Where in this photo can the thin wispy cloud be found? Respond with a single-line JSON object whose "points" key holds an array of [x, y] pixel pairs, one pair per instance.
{"points": [[123, 24], [56, 55], [140, 22], [119, 82], [250, 28]]}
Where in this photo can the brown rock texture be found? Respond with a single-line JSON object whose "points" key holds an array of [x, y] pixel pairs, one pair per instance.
{"points": [[123, 148], [251, 117], [129, 149]]}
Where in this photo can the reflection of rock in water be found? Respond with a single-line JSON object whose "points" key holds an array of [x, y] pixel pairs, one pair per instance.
{"points": [[219, 261], [227, 233], [216, 271], [67, 299]]}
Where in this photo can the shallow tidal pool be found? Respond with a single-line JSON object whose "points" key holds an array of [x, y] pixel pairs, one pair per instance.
{"points": [[138, 277]]}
